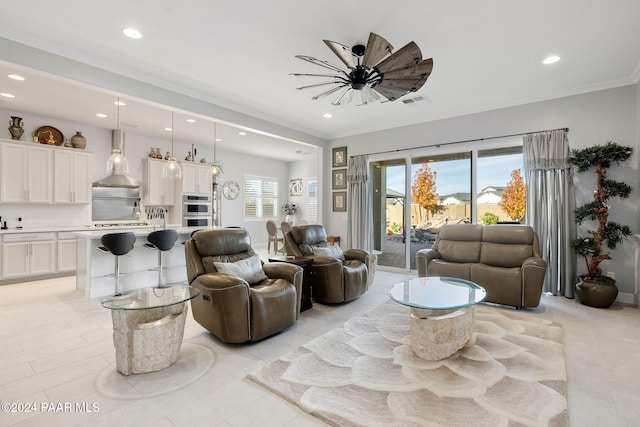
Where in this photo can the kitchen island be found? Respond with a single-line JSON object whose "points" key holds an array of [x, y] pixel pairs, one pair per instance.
{"points": [[138, 269]]}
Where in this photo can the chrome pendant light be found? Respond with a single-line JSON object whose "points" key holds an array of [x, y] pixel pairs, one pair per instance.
{"points": [[117, 163], [215, 171], [171, 169]]}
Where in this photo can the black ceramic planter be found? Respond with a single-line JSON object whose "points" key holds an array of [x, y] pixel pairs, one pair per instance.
{"points": [[600, 292]]}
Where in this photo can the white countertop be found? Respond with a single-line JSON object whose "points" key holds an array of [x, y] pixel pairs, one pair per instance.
{"points": [[96, 233], [79, 228]]}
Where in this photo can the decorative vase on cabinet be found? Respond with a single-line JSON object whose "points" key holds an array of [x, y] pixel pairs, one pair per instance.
{"points": [[78, 141], [15, 127]]}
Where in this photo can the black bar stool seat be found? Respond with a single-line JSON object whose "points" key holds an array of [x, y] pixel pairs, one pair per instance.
{"points": [[162, 241], [117, 244]]}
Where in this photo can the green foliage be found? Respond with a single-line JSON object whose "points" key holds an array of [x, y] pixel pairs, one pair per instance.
{"points": [[591, 211], [584, 247], [603, 154], [490, 218], [614, 233], [616, 188], [395, 227]]}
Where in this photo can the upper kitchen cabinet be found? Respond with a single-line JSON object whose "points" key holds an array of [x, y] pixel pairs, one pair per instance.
{"points": [[195, 178], [71, 177], [159, 191], [25, 173]]}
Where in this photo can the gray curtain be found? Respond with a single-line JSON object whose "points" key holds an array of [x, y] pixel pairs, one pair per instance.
{"points": [[360, 219], [551, 205]]}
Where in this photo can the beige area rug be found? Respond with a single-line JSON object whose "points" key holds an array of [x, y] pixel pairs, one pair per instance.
{"points": [[365, 374]]}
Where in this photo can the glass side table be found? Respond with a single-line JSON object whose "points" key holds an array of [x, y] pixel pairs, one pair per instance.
{"points": [[148, 326]]}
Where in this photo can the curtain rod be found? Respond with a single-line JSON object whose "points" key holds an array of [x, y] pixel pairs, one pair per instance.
{"points": [[459, 142]]}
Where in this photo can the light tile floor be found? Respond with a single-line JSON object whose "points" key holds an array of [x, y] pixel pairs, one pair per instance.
{"points": [[56, 349]]}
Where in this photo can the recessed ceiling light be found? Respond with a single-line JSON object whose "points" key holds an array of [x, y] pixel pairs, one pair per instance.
{"points": [[242, 133], [218, 139], [551, 59], [16, 77], [168, 129], [119, 103], [7, 95], [132, 33], [191, 120], [327, 115], [102, 116]]}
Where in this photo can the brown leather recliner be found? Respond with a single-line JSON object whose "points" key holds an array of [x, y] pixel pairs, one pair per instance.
{"points": [[228, 306], [333, 280], [504, 259]]}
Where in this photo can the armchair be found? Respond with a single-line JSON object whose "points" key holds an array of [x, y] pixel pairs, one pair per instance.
{"points": [[336, 276], [241, 300]]}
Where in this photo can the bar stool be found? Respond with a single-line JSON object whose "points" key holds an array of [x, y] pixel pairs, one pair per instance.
{"points": [[117, 244], [162, 241]]}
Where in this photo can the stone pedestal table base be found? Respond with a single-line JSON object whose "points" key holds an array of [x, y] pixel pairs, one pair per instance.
{"points": [[148, 340], [437, 334]]}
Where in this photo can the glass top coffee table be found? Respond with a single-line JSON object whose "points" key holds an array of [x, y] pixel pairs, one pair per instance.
{"points": [[442, 313], [148, 326]]}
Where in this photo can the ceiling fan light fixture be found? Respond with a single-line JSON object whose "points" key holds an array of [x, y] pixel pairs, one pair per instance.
{"points": [[374, 71]]}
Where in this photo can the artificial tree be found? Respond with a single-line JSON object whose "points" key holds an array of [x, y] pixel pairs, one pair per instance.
{"points": [[608, 233]]}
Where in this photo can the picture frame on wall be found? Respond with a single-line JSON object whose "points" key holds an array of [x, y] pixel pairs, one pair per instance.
{"points": [[339, 201], [339, 179], [339, 157], [296, 187]]}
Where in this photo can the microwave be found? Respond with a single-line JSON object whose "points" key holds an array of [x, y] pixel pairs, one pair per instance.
{"points": [[196, 221]]}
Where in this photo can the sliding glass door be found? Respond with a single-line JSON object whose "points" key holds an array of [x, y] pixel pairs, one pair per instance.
{"points": [[414, 196], [388, 178]]}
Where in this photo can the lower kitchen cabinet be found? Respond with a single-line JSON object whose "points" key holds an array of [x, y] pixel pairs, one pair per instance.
{"points": [[67, 252], [28, 254]]}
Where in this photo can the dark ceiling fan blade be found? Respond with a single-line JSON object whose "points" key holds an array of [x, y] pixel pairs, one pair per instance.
{"points": [[409, 55], [389, 92], [320, 84], [343, 52], [377, 48], [329, 92], [411, 78], [320, 62]]}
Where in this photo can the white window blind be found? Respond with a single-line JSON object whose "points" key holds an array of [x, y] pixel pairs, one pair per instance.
{"points": [[260, 197], [312, 203]]}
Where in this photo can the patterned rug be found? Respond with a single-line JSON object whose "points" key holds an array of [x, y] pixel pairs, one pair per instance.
{"points": [[365, 374]]}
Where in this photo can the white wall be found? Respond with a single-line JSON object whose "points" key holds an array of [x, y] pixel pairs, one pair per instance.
{"points": [[592, 118]]}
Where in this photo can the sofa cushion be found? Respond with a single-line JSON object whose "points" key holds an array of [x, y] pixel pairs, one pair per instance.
{"points": [[501, 255], [458, 251], [249, 269], [333, 251], [503, 285], [438, 267]]}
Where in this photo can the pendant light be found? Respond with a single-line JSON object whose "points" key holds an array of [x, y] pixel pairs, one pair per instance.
{"points": [[215, 171], [117, 163], [171, 169]]}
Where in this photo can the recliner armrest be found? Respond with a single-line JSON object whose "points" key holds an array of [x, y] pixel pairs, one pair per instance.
{"points": [[423, 257], [281, 270], [219, 281], [534, 262], [357, 254]]}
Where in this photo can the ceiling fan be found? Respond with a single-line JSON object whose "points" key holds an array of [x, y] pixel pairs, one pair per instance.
{"points": [[371, 71]]}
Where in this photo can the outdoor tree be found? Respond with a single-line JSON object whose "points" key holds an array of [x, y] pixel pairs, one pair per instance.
{"points": [[424, 189], [514, 197]]}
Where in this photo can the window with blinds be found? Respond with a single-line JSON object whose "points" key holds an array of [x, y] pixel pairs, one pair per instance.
{"points": [[260, 197], [312, 202]]}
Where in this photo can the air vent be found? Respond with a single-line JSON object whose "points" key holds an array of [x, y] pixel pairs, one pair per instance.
{"points": [[415, 99]]}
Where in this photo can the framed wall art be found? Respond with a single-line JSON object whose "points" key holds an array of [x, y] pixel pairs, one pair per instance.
{"points": [[339, 179], [296, 187], [339, 157], [339, 201]]}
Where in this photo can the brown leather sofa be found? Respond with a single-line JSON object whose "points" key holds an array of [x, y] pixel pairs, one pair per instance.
{"points": [[504, 259], [229, 307], [333, 280]]}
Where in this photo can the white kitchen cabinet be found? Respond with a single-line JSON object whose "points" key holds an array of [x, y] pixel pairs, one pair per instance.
{"points": [[71, 177], [28, 254], [67, 245], [195, 178], [25, 173], [159, 191]]}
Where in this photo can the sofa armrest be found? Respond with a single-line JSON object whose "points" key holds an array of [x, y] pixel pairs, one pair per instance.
{"points": [[357, 254], [533, 272], [289, 272], [423, 257]]}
